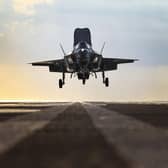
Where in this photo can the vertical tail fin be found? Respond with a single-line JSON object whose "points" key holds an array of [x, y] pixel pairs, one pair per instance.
{"points": [[101, 51], [62, 49]]}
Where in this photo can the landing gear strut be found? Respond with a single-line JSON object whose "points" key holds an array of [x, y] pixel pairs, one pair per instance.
{"points": [[105, 80], [63, 78], [62, 81], [103, 75]]}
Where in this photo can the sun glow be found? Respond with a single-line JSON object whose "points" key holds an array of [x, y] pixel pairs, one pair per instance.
{"points": [[27, 7]]}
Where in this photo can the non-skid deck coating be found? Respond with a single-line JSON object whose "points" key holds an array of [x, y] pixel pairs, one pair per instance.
{"points": [[82, 135]]}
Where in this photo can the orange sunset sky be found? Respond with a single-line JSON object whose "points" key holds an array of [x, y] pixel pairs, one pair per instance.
{"points": [[31, 30]]}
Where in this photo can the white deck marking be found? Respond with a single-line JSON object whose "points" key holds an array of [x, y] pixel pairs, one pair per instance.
{"points": [[145, 145], [14, 130], [18, 110]]}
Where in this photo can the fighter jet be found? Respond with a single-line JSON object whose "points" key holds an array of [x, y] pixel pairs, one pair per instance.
{"points": [[83, 61]]}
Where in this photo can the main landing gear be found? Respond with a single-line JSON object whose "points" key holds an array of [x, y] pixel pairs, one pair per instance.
{"points": [[62, 81], [105, 80]]}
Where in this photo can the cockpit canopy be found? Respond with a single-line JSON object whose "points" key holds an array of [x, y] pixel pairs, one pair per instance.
{"points": [[82, 34]]}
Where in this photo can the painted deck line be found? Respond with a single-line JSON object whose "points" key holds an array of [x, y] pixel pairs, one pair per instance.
{"points": [[14, 130], [142, 144]]}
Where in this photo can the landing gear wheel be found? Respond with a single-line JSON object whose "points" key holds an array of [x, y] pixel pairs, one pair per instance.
{"points": [[83, 81], [60, 83], [106, 82]]}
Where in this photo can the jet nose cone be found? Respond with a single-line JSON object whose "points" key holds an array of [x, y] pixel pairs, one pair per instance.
{"points": [[83, 52]]}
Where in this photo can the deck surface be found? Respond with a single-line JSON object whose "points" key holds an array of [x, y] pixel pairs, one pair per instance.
{"points": [[85, 135]]}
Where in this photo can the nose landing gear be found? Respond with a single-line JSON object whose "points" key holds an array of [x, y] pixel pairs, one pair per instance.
{"points": [[83, 81]]}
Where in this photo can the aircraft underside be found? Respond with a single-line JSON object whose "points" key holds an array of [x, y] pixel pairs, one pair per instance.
{"points": [[83, 76]]}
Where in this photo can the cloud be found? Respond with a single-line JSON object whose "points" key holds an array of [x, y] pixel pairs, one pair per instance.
{"points": [[27, 7], [2, 4], [113, 4], [31, 30], [2, 35]]}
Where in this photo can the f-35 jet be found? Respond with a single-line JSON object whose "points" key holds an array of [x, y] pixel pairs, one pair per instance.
{"points": [[83, 61]]}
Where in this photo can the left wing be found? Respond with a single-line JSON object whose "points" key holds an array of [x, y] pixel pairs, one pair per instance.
{"points": [[111, 63], [54, 65]]}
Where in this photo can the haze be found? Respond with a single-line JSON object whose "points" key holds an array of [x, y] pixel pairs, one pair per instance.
{"points": [[30, 30]]}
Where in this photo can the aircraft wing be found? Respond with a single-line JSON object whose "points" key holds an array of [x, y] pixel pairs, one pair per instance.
{"points": [[54, 65], [111, 63], [48, 63]]}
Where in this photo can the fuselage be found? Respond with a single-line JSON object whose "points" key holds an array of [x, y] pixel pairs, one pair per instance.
{"points": [[83, 60]]}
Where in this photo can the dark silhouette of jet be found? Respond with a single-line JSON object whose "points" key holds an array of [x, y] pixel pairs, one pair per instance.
{"points": [[83, 60]]}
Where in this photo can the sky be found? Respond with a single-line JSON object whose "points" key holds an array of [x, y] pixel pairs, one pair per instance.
{"points": [[31, 30]]}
